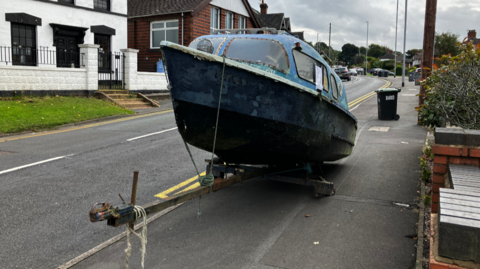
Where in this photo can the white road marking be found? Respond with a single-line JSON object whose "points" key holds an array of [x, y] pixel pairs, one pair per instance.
{"points": [[354, 108], [33, 164], [147, 135], [379, 129], [409, 94]]}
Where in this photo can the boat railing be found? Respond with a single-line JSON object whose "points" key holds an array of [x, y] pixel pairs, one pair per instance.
{"points": [[248, 31]]}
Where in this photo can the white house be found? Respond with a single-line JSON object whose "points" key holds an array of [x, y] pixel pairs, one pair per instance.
{"points": [[60, 25]]}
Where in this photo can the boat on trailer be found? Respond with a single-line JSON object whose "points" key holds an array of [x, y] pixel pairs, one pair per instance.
{"points": [[281, 103]]}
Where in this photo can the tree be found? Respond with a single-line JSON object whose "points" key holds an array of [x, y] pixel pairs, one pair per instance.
{"points": [[451, 92], [412, 52], [376, 51], [348, 52], [362, 50], [446, 43], [359, 59]]}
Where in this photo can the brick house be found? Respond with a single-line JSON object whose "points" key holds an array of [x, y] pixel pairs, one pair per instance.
{"points": [[472, 38], [181, 21]]}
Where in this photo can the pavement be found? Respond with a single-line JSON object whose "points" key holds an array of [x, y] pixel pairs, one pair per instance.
{"points": [[369, 223], [257, 224]]}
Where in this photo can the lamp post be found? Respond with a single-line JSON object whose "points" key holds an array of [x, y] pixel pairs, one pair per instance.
{"points": [[404, 44], [396, 28], [366, 53]]}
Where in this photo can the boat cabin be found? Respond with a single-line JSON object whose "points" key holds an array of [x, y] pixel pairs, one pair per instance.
{"points": [[278, 53]]}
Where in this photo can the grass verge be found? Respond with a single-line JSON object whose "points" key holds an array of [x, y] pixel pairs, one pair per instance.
{"points": [[44, 113]]}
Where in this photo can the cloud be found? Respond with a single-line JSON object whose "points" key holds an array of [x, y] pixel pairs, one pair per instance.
{"points": [[348, 20]]}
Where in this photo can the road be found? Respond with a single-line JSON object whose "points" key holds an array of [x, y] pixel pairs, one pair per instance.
{"points": [[45, 221]]}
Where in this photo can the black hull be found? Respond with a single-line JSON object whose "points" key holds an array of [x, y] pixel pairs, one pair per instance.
{"points": [[262, 121]]}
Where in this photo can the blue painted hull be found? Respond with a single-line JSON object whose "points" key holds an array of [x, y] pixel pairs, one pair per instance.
{"points": [[262, 121]]}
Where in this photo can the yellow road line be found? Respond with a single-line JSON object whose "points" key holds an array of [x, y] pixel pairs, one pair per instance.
{"points": [[85, 126], [367, 96], [190, 188], [163, 194], [361, 99]]}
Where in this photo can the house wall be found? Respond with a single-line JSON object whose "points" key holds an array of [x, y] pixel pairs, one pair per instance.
{"points": [[24, 78], [66, 15], [32, 80], [193, 27], [236, 6], [147, 82]]}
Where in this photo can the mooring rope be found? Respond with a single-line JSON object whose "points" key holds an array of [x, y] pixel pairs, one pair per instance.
{"points": [[208, 179], [139, 213]]}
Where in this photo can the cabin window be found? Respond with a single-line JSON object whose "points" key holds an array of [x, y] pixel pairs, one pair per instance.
{"points": [[66, 2], [267, 52], [216, 42], [214, 19], [333, 82], [306, 68], [163, 30]]}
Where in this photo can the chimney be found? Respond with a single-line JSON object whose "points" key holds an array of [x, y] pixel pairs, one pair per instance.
{"points": [[263, 8], [472, 34]]}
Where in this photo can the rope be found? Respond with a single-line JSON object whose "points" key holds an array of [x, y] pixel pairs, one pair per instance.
{"points": [[207, 180], [139, 213]]}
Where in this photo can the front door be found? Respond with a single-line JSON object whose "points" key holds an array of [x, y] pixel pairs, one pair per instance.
{"points": [[104, 55], [67, 52]]}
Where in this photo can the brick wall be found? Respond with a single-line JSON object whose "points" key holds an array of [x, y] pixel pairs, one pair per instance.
{"points": [[445, 155], [194, 26]]}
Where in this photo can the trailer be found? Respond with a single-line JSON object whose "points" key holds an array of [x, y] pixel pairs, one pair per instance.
{"points": [[225, 175]]}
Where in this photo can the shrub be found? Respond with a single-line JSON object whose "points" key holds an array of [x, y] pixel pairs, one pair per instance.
{"points": [[452, 92]]}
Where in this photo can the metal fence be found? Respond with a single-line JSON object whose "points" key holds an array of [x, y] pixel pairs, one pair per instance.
{"points": [[147, 65], [27, 56], [111, 70]]}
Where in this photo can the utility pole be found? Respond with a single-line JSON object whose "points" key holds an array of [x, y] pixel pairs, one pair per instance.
{"points": [[396, 28], [318, 45], [366, 53], [428, 43], [329, 42], [404, 43]]}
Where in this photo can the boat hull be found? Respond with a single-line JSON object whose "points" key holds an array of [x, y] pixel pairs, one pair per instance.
{"points": [[262, 121]]}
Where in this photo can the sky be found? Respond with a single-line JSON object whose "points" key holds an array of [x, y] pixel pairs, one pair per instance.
{"points": [[348, 19]]}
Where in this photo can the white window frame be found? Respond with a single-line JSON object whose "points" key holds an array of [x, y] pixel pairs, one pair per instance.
{"points": [[227, 20], [242, 25], [218, 19], [162, 29]]}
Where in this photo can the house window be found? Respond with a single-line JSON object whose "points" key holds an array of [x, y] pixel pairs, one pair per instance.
{"points": [[24, 44], [214, 19], [163, 30], [242, 22], [101, 4], [229, 20], [71, 2]]}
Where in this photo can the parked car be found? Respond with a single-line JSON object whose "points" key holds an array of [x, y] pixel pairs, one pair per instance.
{"points": [[390, 73], [353, 72], [374, 71], [342, 72]]}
